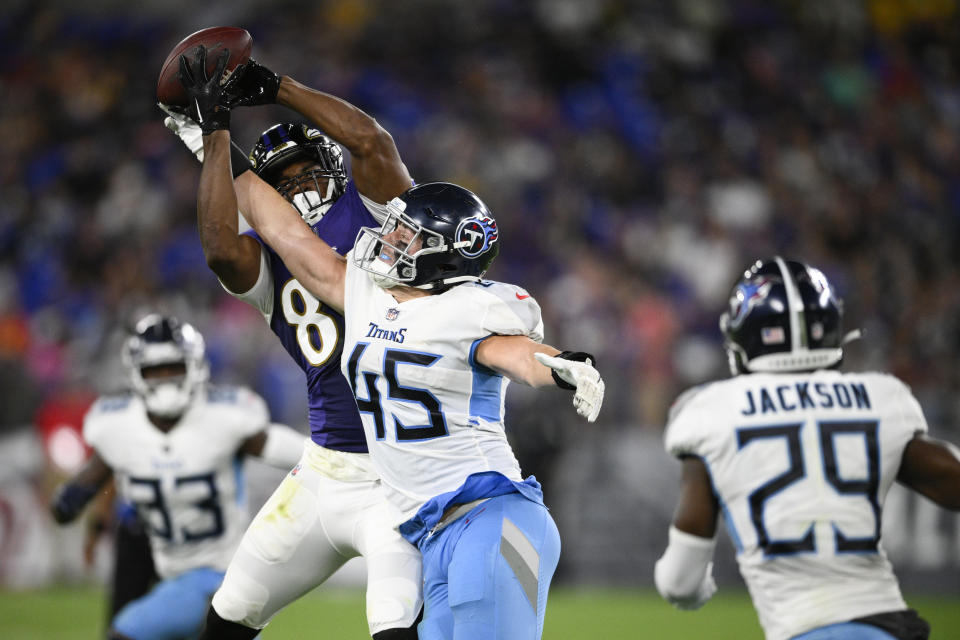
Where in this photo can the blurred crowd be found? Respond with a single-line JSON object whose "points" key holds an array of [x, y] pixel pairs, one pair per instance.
{"points": [[637, 156]]}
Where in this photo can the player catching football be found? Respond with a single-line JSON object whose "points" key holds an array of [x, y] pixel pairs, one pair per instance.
{"points": [[341, 511], [173, 444], [799, 456], [428, 350]]}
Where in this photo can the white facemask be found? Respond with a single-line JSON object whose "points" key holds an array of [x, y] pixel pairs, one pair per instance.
{"points": [[167, 399], [308, 204]]}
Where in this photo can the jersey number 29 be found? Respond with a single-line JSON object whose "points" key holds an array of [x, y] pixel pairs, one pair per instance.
{"points": [[866, 487]]}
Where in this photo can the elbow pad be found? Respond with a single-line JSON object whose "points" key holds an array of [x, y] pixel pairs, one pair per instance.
{"points": [[683, 574], [283, 447], [69, 501]]}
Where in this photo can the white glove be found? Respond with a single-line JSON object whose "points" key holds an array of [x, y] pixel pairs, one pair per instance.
{"points": [[704, 592], [186, 129], [589, 385]]}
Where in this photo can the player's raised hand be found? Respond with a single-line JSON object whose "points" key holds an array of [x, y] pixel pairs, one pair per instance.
{"points": [[705, 591], [186, 129], [579, 376], [205, 94], [251, 84]]}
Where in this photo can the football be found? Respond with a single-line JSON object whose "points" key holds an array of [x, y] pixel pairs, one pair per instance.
{"points": [[215, 39]]}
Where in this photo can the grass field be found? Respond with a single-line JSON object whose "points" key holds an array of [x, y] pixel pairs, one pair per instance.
{"points": [[76, 614]]}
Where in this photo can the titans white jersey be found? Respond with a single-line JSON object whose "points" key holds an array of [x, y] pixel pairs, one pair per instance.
{"points": [[801, 465], [187, 484], [432, 414]]}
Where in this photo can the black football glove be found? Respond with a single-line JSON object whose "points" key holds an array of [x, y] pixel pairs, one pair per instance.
{"points": [[251, 84], [205, 95]]}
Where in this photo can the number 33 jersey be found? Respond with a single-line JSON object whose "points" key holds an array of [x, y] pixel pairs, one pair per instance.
{"points": [[187, 484], [431, 413], [801, 465]]}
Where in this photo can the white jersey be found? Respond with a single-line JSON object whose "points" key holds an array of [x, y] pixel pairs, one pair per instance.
{"points": [[801, 465], [431, 414], [187, 484]]}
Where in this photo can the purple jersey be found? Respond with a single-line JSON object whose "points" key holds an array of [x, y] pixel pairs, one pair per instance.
{"points": [[312, 332]]}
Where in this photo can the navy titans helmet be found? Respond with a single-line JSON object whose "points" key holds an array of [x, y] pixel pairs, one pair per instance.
{"points": [[783, 316], [283, 144], [448, 237]]}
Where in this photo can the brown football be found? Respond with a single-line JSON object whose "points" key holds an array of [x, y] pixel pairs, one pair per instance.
{"points": [[215, 39]]}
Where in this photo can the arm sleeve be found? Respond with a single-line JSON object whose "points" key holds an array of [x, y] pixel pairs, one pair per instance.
{"points": [[283, 447], [377, 210], [683, 574], [260, 295]]}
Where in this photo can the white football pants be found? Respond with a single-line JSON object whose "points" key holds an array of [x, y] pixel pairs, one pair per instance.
{"points": [[328, 509]]}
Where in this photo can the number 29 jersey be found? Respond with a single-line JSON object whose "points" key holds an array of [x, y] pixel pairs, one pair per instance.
{"points": [[801, 465], [187, 483], [432, 414]]}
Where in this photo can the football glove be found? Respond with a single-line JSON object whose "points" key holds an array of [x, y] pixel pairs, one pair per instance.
{"points": [[205, 95], [575, 371], [251, 84], [186, 129], [705, 591]]}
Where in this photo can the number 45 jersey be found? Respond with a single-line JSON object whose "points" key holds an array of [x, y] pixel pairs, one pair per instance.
{"points": [[801, 465], [187, 483], [432, 414]]}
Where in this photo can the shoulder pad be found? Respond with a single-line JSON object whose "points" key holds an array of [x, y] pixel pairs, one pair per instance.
{"points": [[112, 403], [507, 309]]}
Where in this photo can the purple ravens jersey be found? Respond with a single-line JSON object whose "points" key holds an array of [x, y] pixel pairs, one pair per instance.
{"points": [[312, 332]]}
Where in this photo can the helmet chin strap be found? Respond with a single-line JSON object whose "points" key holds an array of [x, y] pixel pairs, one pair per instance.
{"points": [[378, 274]]}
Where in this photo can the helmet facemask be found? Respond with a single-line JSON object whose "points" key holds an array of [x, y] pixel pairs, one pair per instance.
{"points": [[285, 144], [391, 254], [179, 360], [304, 192]]}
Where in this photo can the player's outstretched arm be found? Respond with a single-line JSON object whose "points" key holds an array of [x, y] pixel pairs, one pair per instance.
{"points": [[537, 365], [227, 184], [932, 468], [684, 573], [71, 498], [320, 269], [278, 445], [377, 169], [233, 257]]}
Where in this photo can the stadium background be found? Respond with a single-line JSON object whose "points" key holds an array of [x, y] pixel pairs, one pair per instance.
{"points": [[636, 155]]}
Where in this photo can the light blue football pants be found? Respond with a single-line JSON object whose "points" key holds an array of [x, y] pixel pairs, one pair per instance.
{"points": [[846, 631], [174, 608], [486, 574]]}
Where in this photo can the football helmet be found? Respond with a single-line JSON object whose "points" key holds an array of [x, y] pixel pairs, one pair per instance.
{"points": [[435, 235], [783, 316], [285, 143], [161, 340]]}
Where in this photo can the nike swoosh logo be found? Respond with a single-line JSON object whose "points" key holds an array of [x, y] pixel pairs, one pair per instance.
{"points": [[520, 297]]}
